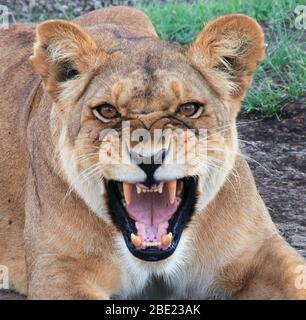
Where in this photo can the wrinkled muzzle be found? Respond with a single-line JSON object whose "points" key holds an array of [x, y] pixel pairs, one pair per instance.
{"points": [[154, 207]]}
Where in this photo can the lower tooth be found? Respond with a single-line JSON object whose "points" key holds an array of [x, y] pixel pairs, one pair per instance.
{"points": [[152, 244], [167, 239], [136, 240]]}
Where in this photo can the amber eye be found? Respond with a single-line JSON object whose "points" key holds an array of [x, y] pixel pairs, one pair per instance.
{"points": [[106, 112], [191, 110]]}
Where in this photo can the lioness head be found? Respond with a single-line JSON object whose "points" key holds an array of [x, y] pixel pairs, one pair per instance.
{"points": [[128, 111]]}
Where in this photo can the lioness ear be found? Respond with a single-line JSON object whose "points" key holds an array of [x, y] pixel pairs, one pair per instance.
{"points": [[227, 52], [63, 50]]}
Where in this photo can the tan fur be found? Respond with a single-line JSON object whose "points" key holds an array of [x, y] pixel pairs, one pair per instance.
{"points": [[56, 235]]}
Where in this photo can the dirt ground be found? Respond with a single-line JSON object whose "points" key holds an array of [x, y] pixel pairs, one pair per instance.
{"points": [[279, 148]]}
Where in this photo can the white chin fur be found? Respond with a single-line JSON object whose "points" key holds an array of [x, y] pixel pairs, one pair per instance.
{"points": [[91, 191], [137, 272], [210, 184]]}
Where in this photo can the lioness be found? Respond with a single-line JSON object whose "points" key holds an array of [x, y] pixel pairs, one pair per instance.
{"points": [[74, 226]]}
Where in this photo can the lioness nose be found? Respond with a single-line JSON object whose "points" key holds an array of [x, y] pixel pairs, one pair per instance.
{"points": [[149, 164]]}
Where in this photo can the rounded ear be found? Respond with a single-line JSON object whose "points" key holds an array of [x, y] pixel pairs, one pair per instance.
{"points": [[63, 50], [227, 52]]}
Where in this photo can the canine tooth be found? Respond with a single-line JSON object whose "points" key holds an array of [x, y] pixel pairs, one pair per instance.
{"points": [[160, 189], [127, 189], [167, 239], [138, 189], [136, 240], [172, 190]]}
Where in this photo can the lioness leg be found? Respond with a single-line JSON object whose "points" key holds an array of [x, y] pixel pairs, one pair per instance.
{"points": [[59, 277], [68, 249], [278, 272]]}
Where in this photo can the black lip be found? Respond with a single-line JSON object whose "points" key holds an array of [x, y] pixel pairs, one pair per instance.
{"points": [[176, 224]]}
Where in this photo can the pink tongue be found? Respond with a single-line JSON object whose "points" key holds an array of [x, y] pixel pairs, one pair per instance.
{"points": [[151, 211]]}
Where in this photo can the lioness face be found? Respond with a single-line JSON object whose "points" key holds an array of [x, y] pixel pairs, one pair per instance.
{"points": [[146, 128]]}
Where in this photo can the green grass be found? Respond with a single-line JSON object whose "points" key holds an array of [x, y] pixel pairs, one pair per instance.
{"points": [[182, 21], [279, 80]]}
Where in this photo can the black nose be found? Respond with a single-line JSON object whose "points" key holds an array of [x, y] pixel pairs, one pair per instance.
{"points": [[149, 165]]}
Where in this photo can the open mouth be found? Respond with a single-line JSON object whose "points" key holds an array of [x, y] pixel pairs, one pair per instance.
{"points": [[152, 219]]}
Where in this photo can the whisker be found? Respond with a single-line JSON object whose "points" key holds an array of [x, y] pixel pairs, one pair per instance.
{"points": [[84, 176], [242, 155], [85, 157], [212, 165]]}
